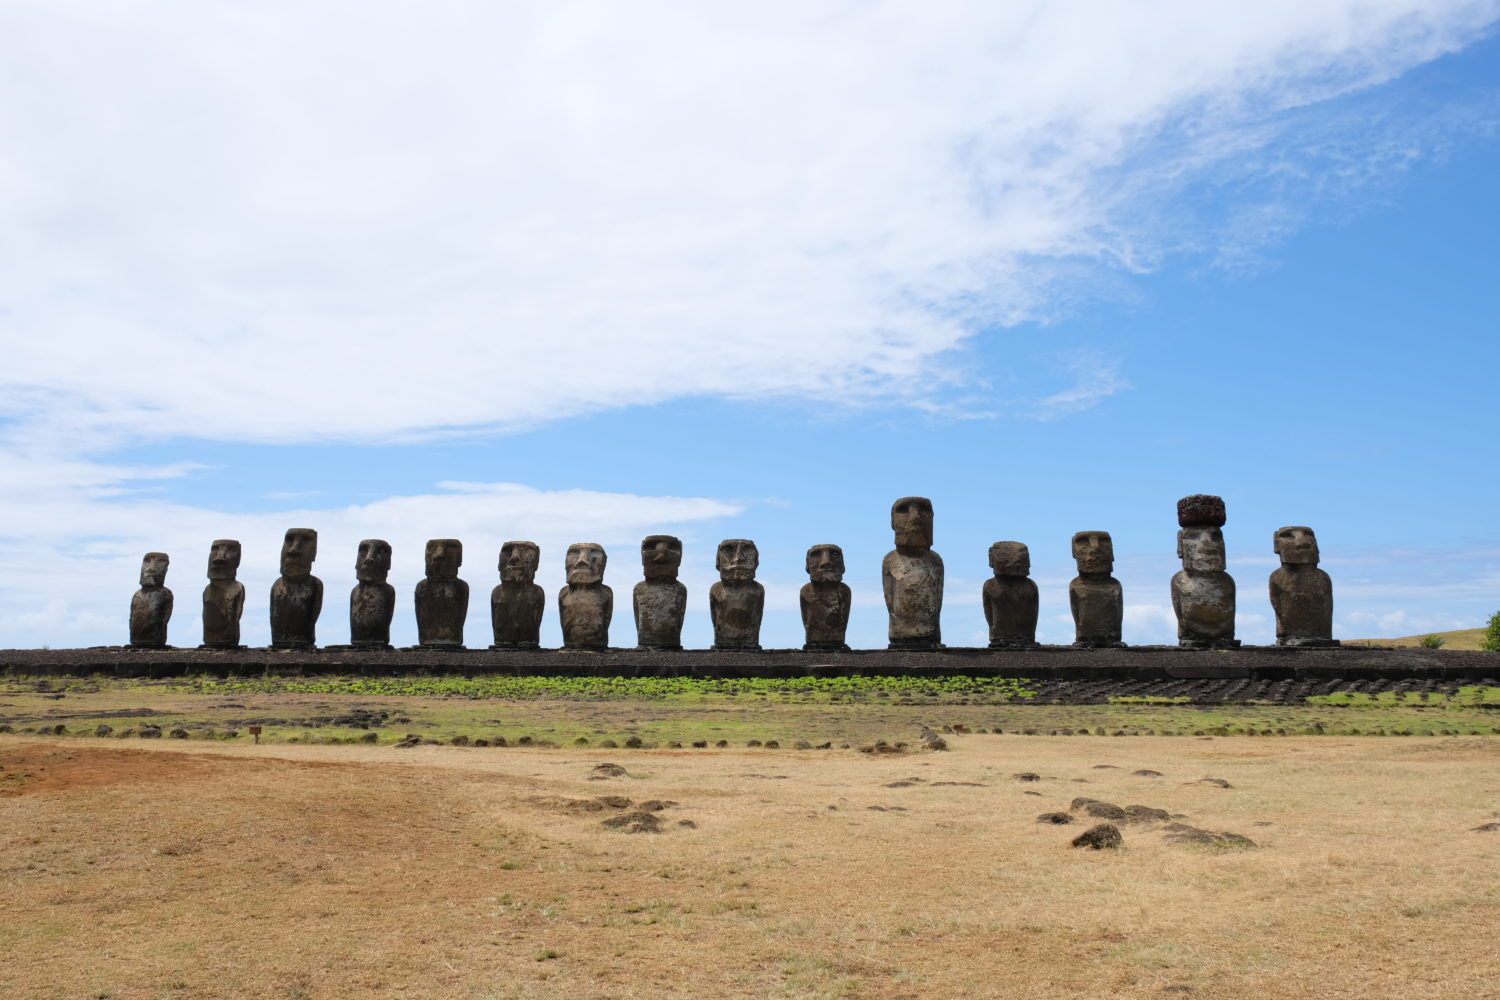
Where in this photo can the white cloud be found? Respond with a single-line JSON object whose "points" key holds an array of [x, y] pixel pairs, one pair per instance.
{"points": [[1096, 378], [293, 221]]}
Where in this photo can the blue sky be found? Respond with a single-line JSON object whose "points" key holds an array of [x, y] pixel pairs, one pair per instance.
{"points": [[545, 272]]}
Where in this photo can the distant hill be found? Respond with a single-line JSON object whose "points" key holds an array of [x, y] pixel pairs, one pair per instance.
{"points": [[1463, 638]]}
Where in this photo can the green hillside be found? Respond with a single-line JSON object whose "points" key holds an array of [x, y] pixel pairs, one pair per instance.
{"points": [[1463, 638]]}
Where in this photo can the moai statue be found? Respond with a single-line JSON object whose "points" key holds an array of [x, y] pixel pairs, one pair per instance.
{"points": [[585, 605], [1010, 597], [372, 602], [1097, 600], [736, 602], [297, 596], [825, 600], [912, 577], [1301, 593], [151, 607], [517, 604], [224, 597], [442, 598], [660, 600], [1202, 593]]}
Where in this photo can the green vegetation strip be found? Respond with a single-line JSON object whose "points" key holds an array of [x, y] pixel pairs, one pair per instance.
{"points": [[974, 690]]}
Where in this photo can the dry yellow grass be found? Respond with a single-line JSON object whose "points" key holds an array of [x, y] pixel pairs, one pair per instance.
{"points": [[1463, 638], [199, 870]]}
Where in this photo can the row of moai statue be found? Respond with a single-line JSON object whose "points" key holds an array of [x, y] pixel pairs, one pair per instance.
{"points": [[1203, 593]]}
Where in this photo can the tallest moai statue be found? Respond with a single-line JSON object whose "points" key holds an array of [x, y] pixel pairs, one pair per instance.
{"points": [[912, 576], [297, 597]]}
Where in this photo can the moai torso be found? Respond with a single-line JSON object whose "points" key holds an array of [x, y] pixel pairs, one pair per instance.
{"points": [[737, 602], [585, 605], [442, 599], [1010, 597], [151, 607], [912, 578], [1095, 597], [1202, 592], [1301, 593], [372, 602], [297, 595], [517, 604], [660, 601], [224, 597]]}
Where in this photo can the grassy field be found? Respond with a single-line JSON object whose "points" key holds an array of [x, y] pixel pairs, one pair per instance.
{"points": [[175, 869], [1463, 638]]}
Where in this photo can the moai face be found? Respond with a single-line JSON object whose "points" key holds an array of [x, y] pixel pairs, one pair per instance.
{"points": [[1201, 550], [153, 569], [519, 561], [1010, 559], [444, 557], [1095, 551], [825, 564], [738, 560], [911, 520], [585, 563], [1296, 545], [373, 563], [223, 559], [661, 555], [298, 552]]}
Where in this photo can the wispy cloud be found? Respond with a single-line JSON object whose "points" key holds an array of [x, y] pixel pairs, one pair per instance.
{"points": [[1096, 378], [285, 222]]}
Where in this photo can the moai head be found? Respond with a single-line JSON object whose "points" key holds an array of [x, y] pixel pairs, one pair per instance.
{"points": [[1010, 559], [661, 555], [298, 552], [1201, 549], [738, 559], [825, 564], [519, 561], [585, 563], [911, 520], [444, 556], [1095, 551], [223, 559], [373, 563], [1296, 545], [154, 570]]}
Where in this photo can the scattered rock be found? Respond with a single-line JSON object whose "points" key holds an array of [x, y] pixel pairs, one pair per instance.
{"points": [[1037, 794], [634, 822], [1217, 782], [104, 730], [526, 741], [687, 824], [1487, 828], [1106, 767], [720, 744], [609, 744], [179, 733], [1146, 772], [1027, 776], [7, 729], [1104, 810], [656, 805], [613, 801], [824, 746], [882, 809], [1146, 814], [802, 745], [752, 743], [1080, 802], [1181, 833], [367, 738], [700, 744], [407, 742], [603, 771], [1099, 837], [773, 745], [968, 784], [634, 742], [460, 740], [1055, 818]]}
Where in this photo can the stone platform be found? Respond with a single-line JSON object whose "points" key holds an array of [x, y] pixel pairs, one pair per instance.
{"points": [[1044, 664]]}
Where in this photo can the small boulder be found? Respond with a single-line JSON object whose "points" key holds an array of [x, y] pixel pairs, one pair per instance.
{"points": [[634, 822], [603, 771], [150, 732], [1105, 810], [1146, 772], [102, 730], [1055, 818], [1027, 776], [1146, 814], [1099, 837]]}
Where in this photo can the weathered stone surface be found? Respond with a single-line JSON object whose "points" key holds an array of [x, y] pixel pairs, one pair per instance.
{"points": [[825, 599], [912, 577], [585, 605], [660, 601], [1202, 593], [1096, 598], [1105, 835], [372, 602], [442, 599], [1201, 510], [151, 607], [517, 604], [737, 601], [297, 596], [1301, 593], [224, 597], [1010, 597]]}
